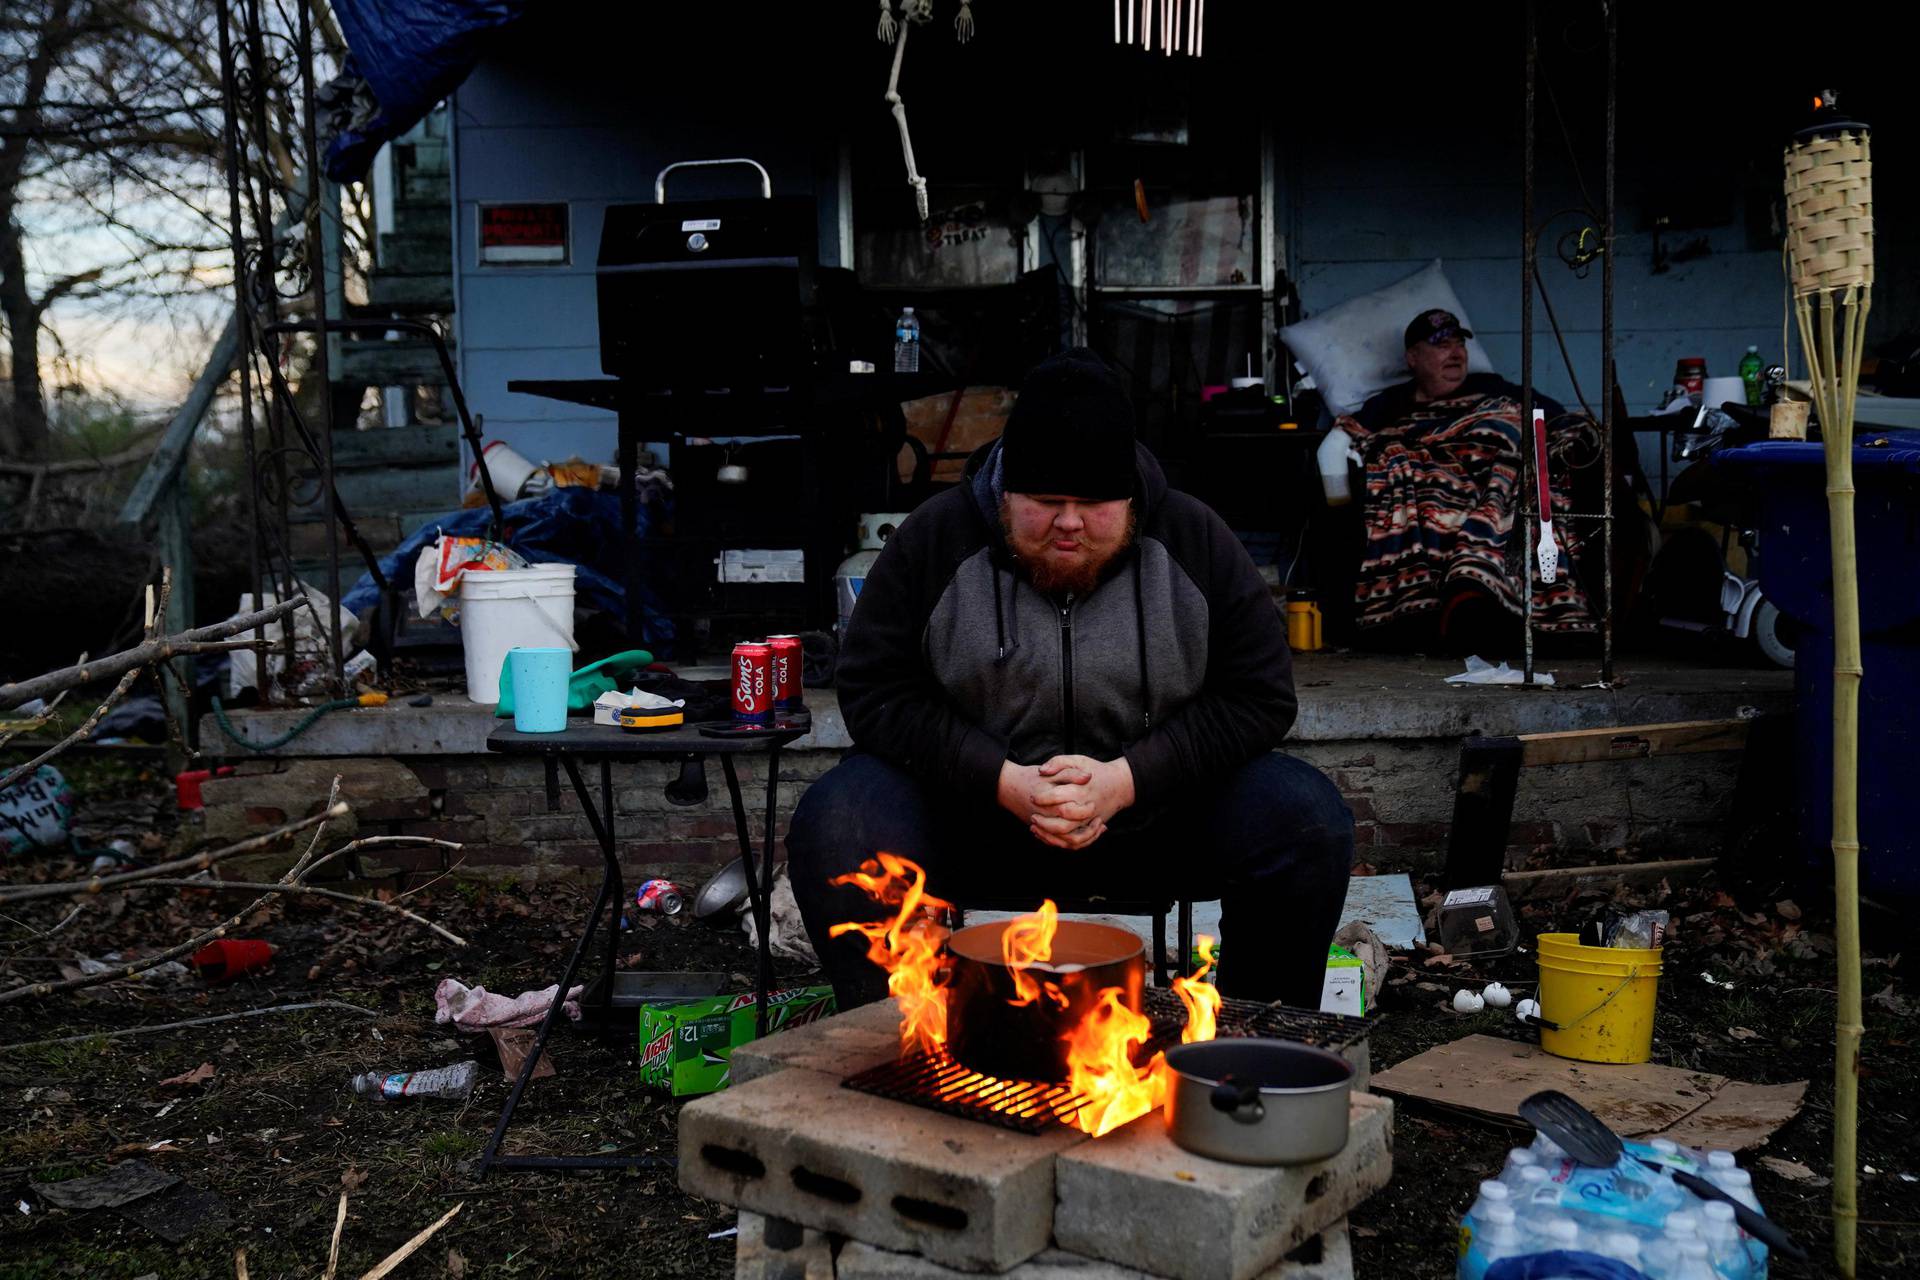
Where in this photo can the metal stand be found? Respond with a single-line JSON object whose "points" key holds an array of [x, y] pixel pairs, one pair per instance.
{"points": [[599, 745]]}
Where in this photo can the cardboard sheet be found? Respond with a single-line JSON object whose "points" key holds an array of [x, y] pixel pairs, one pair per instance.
{"points": [[1489, 1076]]}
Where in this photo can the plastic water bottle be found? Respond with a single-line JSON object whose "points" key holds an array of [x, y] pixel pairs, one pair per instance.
{"points": [[1517, 1159], [454, 1082], [1555, 1231], [1738, 1183], [1750, 366], [906, 342], [1497, 1238], [1491, 1193], [1621, 1246], [1724, 1245], [1533, 1195], [1693, 1263]]}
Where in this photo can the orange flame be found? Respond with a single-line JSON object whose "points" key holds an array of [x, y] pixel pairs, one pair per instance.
{"points": [[908, 946], [1028, 941], [1100, 1066], [1201, 997]]}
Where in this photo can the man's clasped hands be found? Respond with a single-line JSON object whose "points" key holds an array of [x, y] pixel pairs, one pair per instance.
{"points": [[1067, 801]]}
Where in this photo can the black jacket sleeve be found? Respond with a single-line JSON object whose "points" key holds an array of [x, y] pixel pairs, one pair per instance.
{"points": [[1247, 703], [888, 695]]}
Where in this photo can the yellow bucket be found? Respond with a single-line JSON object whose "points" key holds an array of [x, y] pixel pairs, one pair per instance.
{"points": [[1602, 999]]}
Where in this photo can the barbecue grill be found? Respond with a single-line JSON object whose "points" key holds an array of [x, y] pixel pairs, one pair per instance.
{"points": [[937, 1082], [706, 295]]}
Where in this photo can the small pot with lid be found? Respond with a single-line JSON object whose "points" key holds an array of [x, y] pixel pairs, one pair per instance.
{"points": [[1258, 1101]]}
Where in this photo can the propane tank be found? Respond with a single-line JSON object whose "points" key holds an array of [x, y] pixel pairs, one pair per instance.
{"points": [[875, 528]]}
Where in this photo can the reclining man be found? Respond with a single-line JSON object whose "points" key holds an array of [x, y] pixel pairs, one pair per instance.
{"points": [[1064, 679], [1442, 563]]}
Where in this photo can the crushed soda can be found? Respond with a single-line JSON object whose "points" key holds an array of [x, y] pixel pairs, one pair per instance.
{"points": [[663, 896]]}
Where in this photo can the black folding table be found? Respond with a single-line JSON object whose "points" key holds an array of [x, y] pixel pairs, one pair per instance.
{"points": [[590, 744]]}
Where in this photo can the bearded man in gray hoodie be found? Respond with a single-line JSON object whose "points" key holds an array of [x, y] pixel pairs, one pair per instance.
{"points": [[1065, 679]]}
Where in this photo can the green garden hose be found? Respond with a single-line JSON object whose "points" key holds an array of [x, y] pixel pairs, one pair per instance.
{"points": [[305, 722]]}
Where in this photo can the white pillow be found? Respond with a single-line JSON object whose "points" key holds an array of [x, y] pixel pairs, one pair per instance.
{"points": [[1359, 348]]}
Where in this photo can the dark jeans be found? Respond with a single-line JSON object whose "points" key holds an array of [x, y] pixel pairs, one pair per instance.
{"points": [[1273, 842]]}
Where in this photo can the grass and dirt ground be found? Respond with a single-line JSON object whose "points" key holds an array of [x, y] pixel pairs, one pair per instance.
{"points": [[265, 1145]]}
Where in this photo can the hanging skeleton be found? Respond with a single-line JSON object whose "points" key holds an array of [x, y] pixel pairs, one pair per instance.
{"points": [[894, 32]]}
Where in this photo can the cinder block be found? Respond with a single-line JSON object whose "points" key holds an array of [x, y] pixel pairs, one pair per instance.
{"points": [[839, 1046], [1117, 1195], [780, 1250], [796, 1145], [1327, 1256]]}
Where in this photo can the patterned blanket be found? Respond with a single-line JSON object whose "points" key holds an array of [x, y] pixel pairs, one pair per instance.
{"points": [[1443, 484]]}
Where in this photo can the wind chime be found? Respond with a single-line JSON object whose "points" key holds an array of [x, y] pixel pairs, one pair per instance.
{"points": [[1172, 26], [1829, 187]]}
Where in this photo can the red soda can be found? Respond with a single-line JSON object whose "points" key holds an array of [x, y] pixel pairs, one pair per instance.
{"points": [[752, 681], [786, 672], [663, 896]]}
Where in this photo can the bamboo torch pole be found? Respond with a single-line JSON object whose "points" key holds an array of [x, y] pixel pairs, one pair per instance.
{"points": [[1829, 187]]}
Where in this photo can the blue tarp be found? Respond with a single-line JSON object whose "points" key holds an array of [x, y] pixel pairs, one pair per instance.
{"points": [[572, 525], [410, 54]]}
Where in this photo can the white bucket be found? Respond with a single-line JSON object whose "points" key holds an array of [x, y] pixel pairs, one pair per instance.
{"points": [[504, 609]]}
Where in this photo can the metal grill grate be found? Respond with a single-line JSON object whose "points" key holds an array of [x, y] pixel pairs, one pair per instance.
{"points": [[941, 1084]]}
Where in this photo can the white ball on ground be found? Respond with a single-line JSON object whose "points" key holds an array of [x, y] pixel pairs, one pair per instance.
{"points": [[1526, 1009], [1496, 995], [1465, 1001]]}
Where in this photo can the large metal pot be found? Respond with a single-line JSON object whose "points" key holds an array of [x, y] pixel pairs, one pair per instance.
{"points": [[1258, 1101], [989, 1033]]}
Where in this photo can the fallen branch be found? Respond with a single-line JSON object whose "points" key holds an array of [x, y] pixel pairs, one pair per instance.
{"points": [[153, 649], [192, 944], [190, 1022], [155, 614], [407, 1250], [199, 861], [70, 917], [40, 721], [311, 890], [339, 1225]]}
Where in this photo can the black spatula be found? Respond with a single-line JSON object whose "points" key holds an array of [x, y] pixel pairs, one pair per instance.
{"points": [[1582, 1135]]}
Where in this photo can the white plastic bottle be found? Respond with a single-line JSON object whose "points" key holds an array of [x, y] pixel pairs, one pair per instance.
{"points": [[454, 1082], [1555, 1231], [1663, 1251], [1491, 1193], [1517, 1159], [906, 342], [1725, 1246], [1738, 1183], [1621, 1246], [1533, 1196], [1693, 1263], [1497, 1238]]}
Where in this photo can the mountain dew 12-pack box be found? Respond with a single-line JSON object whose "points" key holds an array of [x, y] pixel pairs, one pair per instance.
{"points": [[686, 1046]]}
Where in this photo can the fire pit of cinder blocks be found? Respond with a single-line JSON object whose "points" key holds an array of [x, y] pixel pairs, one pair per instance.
{"points": [[835, 1184]]}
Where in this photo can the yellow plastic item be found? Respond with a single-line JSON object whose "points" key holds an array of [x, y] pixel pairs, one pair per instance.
{"points": [[1303, 625], [652, 719], [372, 699], [1602, 999]]}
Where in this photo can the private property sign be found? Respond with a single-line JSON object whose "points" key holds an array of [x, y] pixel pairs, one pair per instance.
{"points": [[523, 234]]}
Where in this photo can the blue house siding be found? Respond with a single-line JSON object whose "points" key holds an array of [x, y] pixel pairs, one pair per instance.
{"points": [[552, 121]]}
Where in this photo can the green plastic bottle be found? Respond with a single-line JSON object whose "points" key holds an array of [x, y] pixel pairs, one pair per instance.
{"points": [[1750, 366]]}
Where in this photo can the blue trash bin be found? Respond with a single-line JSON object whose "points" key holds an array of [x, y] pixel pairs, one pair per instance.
{"points": [[1795, 553]]}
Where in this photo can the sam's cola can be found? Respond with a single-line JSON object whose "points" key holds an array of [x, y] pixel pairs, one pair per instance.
{"points": [[753, 681], [786, 672], [663, 896]]}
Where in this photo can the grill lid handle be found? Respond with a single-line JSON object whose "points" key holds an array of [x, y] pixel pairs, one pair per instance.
{"points": [[660, 179]]}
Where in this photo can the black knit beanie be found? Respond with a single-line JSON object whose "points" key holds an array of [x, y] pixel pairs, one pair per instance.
{"points": [[1071, 431]]}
